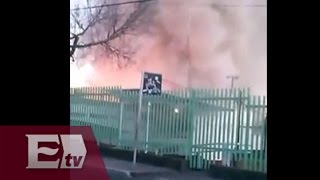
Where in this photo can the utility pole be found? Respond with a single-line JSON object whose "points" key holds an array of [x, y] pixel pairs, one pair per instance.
{"points": [[188, 52], [239, 119], [137, 122], [232, 77]]}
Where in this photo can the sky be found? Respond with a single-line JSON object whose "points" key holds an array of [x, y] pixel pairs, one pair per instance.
{"points": [[230, 44]]}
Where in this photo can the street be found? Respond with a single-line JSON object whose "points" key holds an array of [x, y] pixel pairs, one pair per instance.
{"points": [[120, 170], [118, 176], [121, 176]]}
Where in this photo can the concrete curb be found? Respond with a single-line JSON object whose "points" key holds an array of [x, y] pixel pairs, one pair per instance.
{"points": [[221, 172], [174, 163]]}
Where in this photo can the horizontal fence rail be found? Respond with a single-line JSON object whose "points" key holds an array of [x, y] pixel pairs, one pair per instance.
{"points": [[206, 126]]}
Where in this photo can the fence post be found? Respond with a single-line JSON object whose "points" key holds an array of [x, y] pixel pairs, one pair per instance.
{"points": [[148, 126], [265, 147]]}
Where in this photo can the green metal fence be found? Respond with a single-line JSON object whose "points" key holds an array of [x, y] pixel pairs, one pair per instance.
{"points": [[207, 126]]}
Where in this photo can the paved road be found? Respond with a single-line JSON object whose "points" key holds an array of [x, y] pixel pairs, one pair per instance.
{"points": [[120, 176], [120, 170]]}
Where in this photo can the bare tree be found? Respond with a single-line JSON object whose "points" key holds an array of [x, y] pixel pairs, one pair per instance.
{"points": [[104, 24]]}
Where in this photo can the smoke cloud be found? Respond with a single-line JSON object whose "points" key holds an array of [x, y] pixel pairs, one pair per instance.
{"points": [[225, 38]]}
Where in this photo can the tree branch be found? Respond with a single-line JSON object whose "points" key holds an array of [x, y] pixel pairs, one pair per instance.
{"points": [[74, 46], [108, 5], [106, 28], [91, 23]]}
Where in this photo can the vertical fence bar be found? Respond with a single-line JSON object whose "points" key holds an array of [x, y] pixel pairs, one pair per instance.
{"points": [[147, 126], [171, 121], [166, 125], [215, 117], [252, 118], [111, 107], [126, 119], [211, 139], [200, 130], [157, 123], [100, 115], [173, 107], [177, 117], [160, 140], [80, 107], [259, 125], [196, 128], [252, 163], [93, 113], [116, 117], [136, 110], [238, 129], [184, 125], [220, 105], [169, 109], [107, 110], [152, 128], [263, 153], [190, 126], [86, 106], [207, 131], [266, 153], [229, 125], [153, 122], [111, 111], [233, 126], [96, 114], [120, 121], [246, 143], [223, 119], [102, 112], [106, 113], [129, 116], [241, 130], [161, 127]]}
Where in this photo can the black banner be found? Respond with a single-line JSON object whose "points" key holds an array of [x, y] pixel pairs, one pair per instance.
{"points": [[152, 83]]}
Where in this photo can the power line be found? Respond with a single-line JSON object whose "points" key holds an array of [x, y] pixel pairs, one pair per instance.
{"points": [[141, 1], [236, 5], [108, 5]]}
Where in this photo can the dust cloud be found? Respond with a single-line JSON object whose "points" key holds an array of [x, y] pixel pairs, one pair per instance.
{"points": [[209, 39]]}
